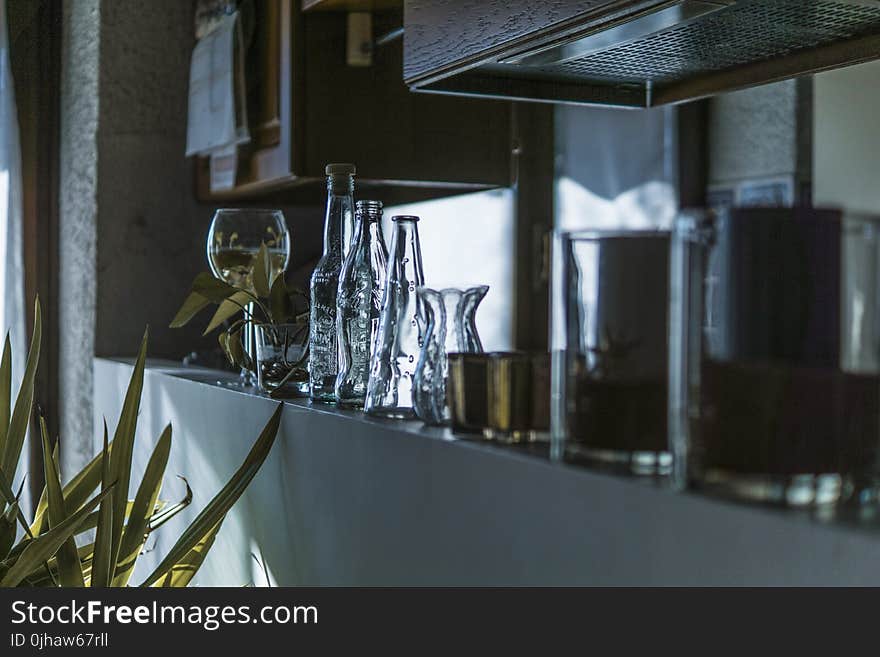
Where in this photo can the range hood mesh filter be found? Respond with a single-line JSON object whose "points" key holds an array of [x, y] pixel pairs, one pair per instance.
{"points": [[739, 35]]}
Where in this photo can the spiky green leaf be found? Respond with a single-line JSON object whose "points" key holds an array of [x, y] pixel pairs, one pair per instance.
{"points": [[70, 573], [21, 414], [123, 449], [184, 570], [5, 391], [222, 502], [142, 509], [76, 492], [42, 548], [103, 553]]}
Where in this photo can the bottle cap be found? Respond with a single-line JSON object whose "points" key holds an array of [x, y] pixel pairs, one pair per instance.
{"points": [[404, 217], [339, 169]]}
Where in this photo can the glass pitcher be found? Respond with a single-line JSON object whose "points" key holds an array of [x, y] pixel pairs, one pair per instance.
{"points": [[448, 318], [392, 365]]}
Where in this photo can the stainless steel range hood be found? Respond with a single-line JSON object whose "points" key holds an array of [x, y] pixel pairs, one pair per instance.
{"points": [[634, 53]]}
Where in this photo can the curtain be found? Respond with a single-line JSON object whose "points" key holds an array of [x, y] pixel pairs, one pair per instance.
{"points": [[12, 313]]}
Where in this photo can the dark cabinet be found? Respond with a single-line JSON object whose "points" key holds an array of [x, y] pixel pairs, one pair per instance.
{"points": [[633, 53], [308, 107]]}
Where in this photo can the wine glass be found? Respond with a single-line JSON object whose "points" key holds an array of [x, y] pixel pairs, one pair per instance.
{"points": [[234, 241]]}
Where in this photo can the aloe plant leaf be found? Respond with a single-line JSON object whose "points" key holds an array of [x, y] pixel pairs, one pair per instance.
{"points": [[5, 391], [191, 307], [76, 492], [228, 308], [69, 571], [161, 517], [217, 508], [184, 570], [212, 288], [142, 509], [262, 271], [40, 549], [120, 457], [12, 498], [18, 422], [102, 556], [8, 529]]}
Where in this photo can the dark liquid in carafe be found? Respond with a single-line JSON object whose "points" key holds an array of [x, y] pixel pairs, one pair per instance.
{"points": [[763, 418], [625, 416]]}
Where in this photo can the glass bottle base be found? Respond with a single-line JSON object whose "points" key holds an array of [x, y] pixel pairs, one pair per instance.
{"points": [[636, 463], [322, 397], [398, 413], [356, 404], [801, 490]]}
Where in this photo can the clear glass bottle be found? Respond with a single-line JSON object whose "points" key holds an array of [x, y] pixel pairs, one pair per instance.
{"points": [[393, 364], [323, 357], [359, 303]]}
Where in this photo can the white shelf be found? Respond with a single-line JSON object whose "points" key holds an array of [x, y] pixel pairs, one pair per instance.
{"points": [[349, 500]]}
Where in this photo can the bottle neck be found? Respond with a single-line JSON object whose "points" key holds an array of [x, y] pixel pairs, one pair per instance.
{"points": [[338, 217]]}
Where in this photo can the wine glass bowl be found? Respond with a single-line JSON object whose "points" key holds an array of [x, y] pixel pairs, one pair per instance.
{"points": [[235, 238], [234, 241]]}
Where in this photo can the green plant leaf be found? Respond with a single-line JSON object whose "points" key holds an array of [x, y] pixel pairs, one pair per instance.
{"points": [[212, 288], [123, 448], [142, 509], [191, 307], [22, 412], [12, 498], [8, 529], [280, 304], [5, 391], [231, 306], [69, 571], [42, 548], [164, 515], [236, 350], [76, 492], [103, 553], [262, 272], [184, 570], [222, 502]]}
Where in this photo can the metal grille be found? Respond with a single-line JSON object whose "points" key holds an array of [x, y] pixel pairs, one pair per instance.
{"points": [[744, 33]]}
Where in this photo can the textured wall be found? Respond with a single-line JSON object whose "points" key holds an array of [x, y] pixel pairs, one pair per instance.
{"points": [[77, 234], [132, 232], [761, 133]]}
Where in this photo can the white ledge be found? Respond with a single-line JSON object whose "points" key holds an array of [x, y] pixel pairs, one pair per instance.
{"points": [[348, 500]]}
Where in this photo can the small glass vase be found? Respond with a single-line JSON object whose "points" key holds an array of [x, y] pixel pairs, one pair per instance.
{"points": [[449, 320], [399, 340], [283, 359]]}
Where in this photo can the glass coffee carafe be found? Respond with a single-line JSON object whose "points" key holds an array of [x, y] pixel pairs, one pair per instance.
{"points": [[610, 405], [774, 368]]}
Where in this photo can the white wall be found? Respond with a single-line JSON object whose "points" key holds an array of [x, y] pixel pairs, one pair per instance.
{"points": [[847, 138]]}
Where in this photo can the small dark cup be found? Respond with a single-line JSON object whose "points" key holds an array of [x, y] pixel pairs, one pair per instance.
{"points": [[466, 391]]}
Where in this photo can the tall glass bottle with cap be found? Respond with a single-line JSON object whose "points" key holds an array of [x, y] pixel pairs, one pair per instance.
{"points": [[323, 360], [359, 303]]}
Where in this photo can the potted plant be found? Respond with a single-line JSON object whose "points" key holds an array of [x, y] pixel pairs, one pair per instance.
{"points": [[44, 552], [278, 315]]}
